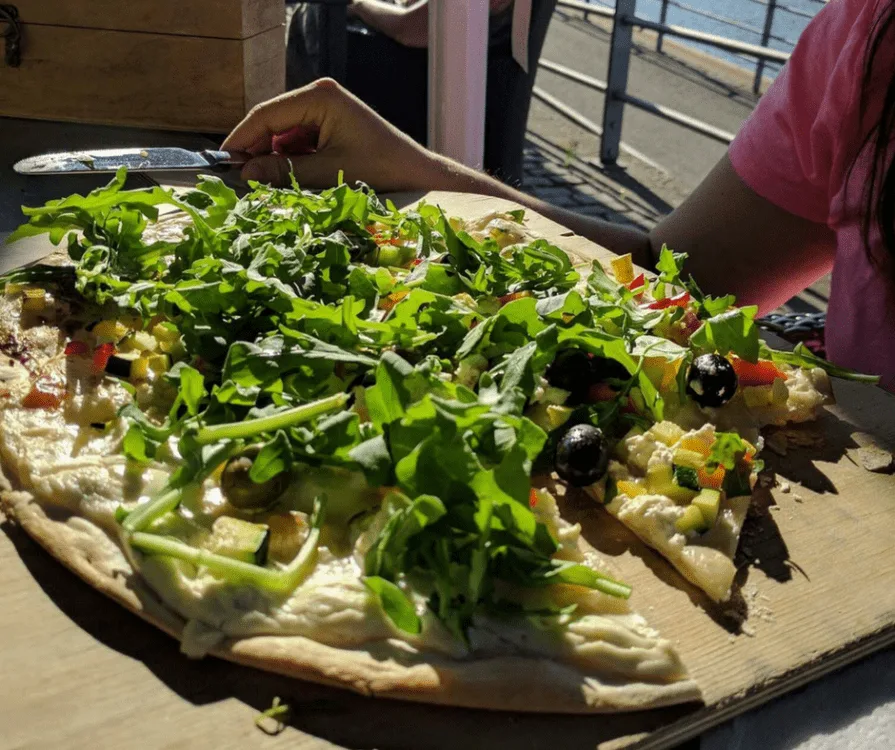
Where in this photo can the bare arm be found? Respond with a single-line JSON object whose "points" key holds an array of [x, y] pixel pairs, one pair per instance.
{"points": [[737, 242], [406, 25]]}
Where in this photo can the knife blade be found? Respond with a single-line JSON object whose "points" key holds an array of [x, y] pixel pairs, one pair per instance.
{"points": [[135, 159]]}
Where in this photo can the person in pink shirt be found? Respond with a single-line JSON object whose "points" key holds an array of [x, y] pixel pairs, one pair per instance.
{"points": [[808, 185]]}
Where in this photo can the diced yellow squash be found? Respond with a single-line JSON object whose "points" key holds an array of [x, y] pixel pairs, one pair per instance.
{"points": [[140, 368], [13, 288], [631, 489], [35, 300], [666, 432], [758, 395], [159, 363], [779, 392], [623, 269], [698, 444], [166, 332], [110, 331], [690, 458], [144, 342]]}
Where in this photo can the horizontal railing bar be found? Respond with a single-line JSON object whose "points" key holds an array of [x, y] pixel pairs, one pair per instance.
{"points": [[587, 124], [673, 115], [730, 45], [729, 22], [574, 75], [587, 8]]}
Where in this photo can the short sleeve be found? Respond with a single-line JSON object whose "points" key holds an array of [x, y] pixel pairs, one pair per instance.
{"points": [[791, 149]]}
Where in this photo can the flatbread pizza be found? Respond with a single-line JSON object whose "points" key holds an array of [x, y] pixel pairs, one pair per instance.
{"points": [[304, 432]]}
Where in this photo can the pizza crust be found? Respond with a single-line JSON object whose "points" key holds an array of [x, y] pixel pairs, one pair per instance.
{"points": [[389, 669]]}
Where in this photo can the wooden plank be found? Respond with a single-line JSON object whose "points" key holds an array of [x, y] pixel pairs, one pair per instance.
{"points": [[814, 594], [225, 19], [146, 80]]}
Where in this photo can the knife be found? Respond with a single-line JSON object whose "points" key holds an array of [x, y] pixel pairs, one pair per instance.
{"points": [[135, 159]]}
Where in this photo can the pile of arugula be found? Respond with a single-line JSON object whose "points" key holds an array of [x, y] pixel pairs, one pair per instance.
{"points": [[288, 309]]}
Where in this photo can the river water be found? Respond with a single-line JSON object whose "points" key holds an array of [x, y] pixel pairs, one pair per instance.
{"points": [[748, 14]]}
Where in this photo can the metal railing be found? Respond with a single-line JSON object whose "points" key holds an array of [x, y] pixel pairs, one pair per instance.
{"points": [[625, 19]]}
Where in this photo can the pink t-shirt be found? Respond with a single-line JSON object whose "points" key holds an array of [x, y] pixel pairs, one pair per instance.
{"points": [[796, 149]]}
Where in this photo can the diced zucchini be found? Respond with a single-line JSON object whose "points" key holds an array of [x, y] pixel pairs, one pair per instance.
{"points": [[140, 368], [660, 480], [631, 489], [120, 365], [687, 477], [12, 288], [691, 520], [666, 432], [690, 458], [623, 269], [549, 416], [240, 540], [555, 395], [709, 503], [109, 331]]}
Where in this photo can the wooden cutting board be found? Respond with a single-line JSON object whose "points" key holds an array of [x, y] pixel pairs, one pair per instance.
{"points": [[815, 593]]}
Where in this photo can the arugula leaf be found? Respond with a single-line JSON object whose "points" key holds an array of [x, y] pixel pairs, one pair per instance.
{"points": [[395, 603], [726, 451], [802, 356], [734, 331]]}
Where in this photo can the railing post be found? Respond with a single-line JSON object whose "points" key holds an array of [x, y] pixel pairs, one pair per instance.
{"points": [[617, 79], [663, 17], [765, 37]]}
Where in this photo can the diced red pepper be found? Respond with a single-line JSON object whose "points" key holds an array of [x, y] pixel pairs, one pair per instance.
{"points": [[763, 372], [601, 392], [77, 349], [416, 261], [101, 356], [679, 300], [638, 282], [46, 393], [532, 498], [690, 324]]}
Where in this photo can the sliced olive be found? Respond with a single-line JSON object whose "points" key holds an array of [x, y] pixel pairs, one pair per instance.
{"points": [[582, 455], [711, 380], [239, 489]]}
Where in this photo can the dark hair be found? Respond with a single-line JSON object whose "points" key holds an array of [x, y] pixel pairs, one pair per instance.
{"points": [[879, 192]]}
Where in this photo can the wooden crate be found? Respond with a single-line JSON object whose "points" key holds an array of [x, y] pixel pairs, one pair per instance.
{"points": [[178, 64]]}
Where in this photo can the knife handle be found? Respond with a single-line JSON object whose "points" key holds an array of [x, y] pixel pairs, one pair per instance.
{"points": [[221, 161]]}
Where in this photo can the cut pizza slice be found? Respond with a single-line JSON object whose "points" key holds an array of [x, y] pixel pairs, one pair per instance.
{"points": [[253, 572], [672, 489]]}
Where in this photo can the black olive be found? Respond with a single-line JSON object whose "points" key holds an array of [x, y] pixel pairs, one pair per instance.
{"points": [[239, 489], [582, 455], [711, 380], [571, 372], [603, 369]]}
